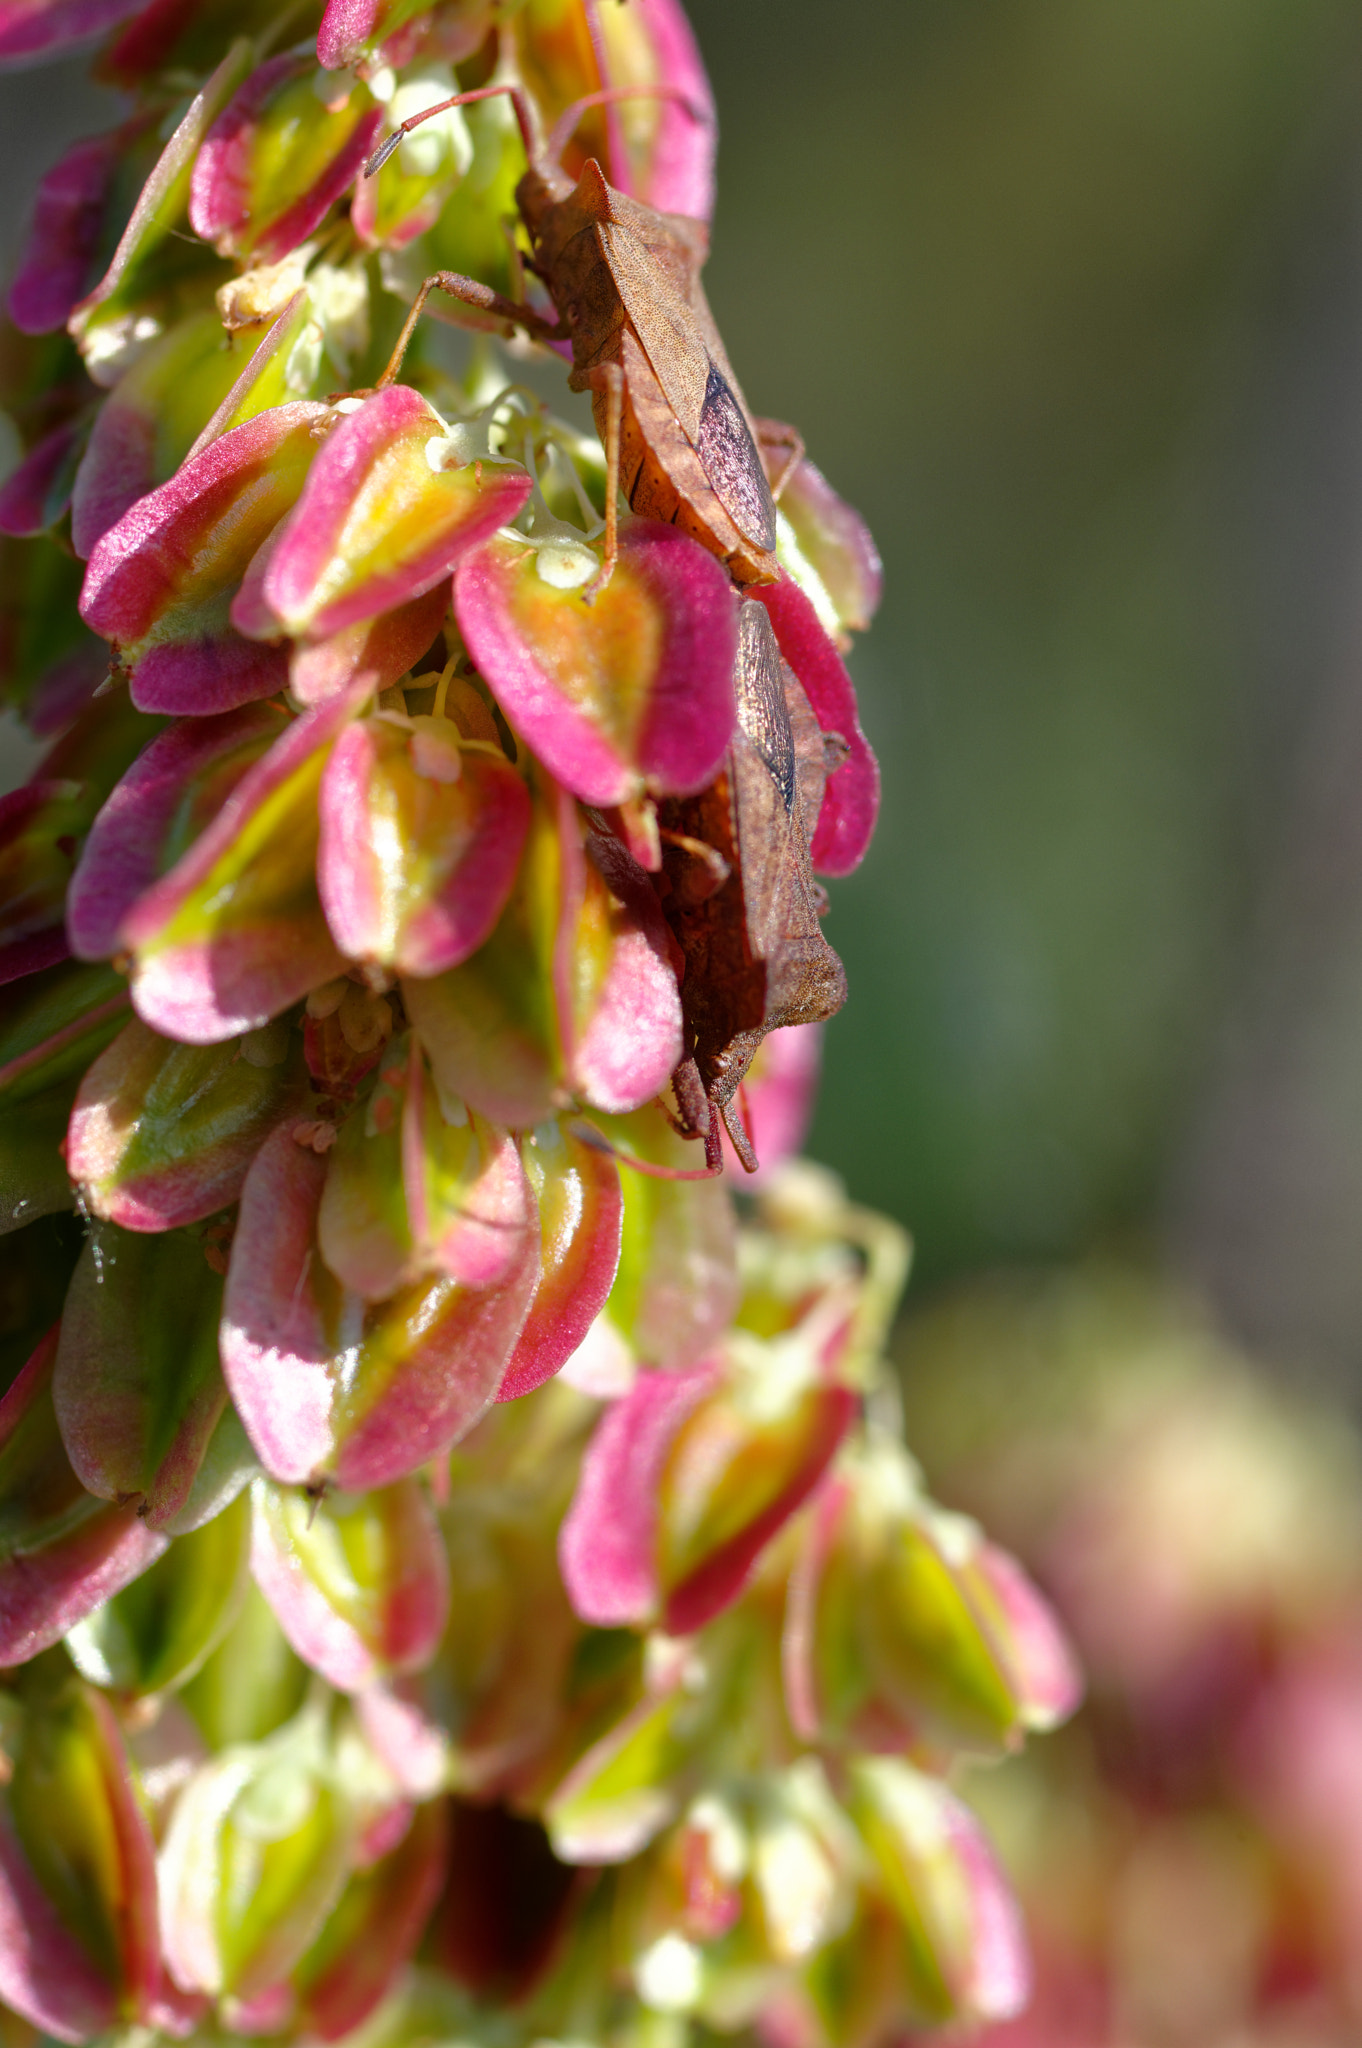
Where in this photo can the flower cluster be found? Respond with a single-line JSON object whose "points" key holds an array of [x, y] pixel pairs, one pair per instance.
{"points": [[639, 1708], [428, 1528], [1187, 1849]]}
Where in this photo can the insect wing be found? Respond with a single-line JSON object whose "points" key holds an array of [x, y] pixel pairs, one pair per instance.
{"points": [[778, 786], [662, 321], [707, 409], [731, 462]]}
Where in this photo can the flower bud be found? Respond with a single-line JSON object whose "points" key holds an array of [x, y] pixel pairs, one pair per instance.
{"points": [[906, 1631], [61, 1550], [54, 1022], [965, 1954], [138, 1387], [389, 506], [689, 1477], [359, 1583], [327, 1384], [277, 158], [573, 995], [368, 1940], [420, 843], [142, 289], [154, 417], [851, 800], [581, 1212], [677, 1286], [627, 692], [257, 1853], [827, 547], [368, 34], [236, 932], [162, 1628], [162, 1134], [391, 211], [160, 582], [413, 1188], [78, 1949]]}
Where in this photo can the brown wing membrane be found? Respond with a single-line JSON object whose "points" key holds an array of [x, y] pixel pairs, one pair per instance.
{"points": [[755, 954], [732, 464], [663, 322], [711, 415]]}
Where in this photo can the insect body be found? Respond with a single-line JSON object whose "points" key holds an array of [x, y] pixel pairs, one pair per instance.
{"points": [[625, 284], [740, 895]]}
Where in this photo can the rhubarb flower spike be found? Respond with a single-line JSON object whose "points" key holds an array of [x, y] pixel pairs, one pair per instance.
{"points": [[459, 1575]]}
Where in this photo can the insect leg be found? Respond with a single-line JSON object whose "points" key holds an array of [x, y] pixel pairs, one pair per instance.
{"points": [[611, 377], [471, 293], [736, 1124], [773, 436]]}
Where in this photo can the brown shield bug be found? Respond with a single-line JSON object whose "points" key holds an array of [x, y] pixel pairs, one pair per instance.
{"points": [[739, 891], [624, 281]]}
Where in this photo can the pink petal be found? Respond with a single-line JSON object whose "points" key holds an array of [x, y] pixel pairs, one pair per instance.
{"points": [[997, 1981], [581, 1215], [634, 690], [478, 1048], [399, 1898], [798, 1645], [405, 1571], [375, 526], [414, 1195], [210, 966], [36, 494], [161, 203], [123, 852], [833, 536], [851, 801], [63, 242], [120, 1871], [460, 1339], [137, 1389], [1044, 1666], [162, 1135], [162, 574], [721, 1576], [72, 1552], [681, 170], [275, 1352], [201, 678], [265, 373], [321, 1383], [404, 1739], [461, 844], [607, 1547], [381, 649], [232, 202], [473, 1230], [347, 26], [31, 28], [45, 1973], [147, 426], [632, 1042]]}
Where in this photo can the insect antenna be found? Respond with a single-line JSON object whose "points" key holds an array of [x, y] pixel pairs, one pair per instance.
{"points": [[563, 127], [598, 1142], [609, 96], [524, 121]]}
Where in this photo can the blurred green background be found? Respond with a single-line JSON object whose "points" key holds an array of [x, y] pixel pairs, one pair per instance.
{"points": [[1067, 296]]}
